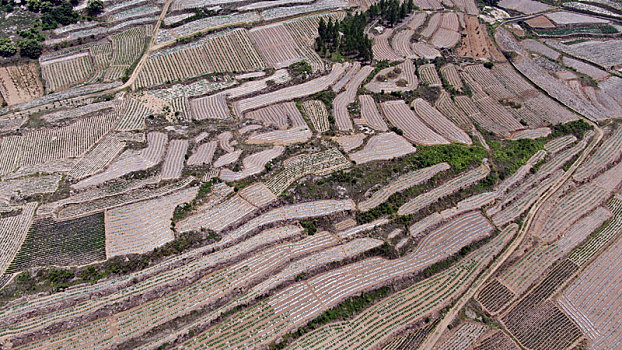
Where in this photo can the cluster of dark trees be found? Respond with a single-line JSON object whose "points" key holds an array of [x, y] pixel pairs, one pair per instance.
{"points": [[391, 11], [348, 38], [49, 14]]}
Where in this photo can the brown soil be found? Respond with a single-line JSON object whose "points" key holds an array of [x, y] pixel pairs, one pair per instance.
{"points": [[477, 43], [540, 22], [20, 83]]}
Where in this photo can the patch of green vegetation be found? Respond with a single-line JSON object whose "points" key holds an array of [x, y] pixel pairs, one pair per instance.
{"points": [[73, 242], [7, 48], [300, 69], [605, 29], [183, 210], [310, 226], [508, 156], [327, 96], [578, 41], [577, 128]]}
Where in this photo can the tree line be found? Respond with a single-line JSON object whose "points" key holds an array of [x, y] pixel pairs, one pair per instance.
{"points": [[48, 15], [347, 37]]}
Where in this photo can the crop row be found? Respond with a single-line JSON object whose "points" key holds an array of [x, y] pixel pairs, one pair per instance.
{"points": [[297, 134], [383, 146], [494, 296], [311, 263], [401, 43], [141, 227], [78, 208], [320, 163], [347, 97], [464, 337], [227, 158], [552, 165], [133, 115], [15, 189], [137, 320], [429, 75], [538, 323], [445, 38], [97, 158], [439, 123], [349, 142], [382, 320], [428, 4], [398, 113], [281, 115], [559, 143], [203, 154], [94, 193], [600, 239], [447, 107], [539, 76], [174, 160], [131, 160], [290, 93], [276, 45], [283, 310], [210, 107], [457, 183], [588, 300], [127, 46], [609, 152], [43, 145], [157, 275], [64, 243], [252, 164], [567, 210], [381, 48], [497, 340], [426, 51], [230, 51], [318, 115], [450, 73], [13, 230], [62, 73], [496, 113], [402, 183], [433, 24], [370, 115]]}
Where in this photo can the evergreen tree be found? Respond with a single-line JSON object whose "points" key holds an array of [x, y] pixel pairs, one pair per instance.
{"points": [[321, 29]]}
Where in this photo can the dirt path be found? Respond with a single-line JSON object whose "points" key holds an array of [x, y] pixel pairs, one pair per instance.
{"points": [[150, 48], [435, 335]]}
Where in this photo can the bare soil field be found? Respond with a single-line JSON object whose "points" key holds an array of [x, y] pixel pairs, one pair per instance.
{"points": [[20, 83]]}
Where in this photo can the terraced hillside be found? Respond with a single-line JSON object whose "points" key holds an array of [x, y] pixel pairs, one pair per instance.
{"points": [[310, 174]]}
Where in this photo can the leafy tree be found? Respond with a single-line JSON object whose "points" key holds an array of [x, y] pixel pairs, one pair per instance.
{"points": [[29, 48], [33, 5], [7, 47], [94, 7]]}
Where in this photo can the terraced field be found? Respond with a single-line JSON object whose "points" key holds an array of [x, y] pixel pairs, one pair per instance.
{"points": [[318, 174]]}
